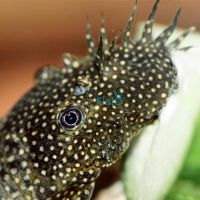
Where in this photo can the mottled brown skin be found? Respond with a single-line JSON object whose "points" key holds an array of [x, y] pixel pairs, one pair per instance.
{"points": [[40, 159]]}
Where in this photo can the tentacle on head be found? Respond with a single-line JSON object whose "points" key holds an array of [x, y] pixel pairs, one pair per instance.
{"points": [[99, 55], [113, 43], [176, 43], [127, 32], [103, 31], [164, 36], [90, 39], [147, 33], [104, 49]]}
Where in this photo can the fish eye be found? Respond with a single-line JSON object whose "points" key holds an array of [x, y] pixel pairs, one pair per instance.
{"points": [[71, 118]]}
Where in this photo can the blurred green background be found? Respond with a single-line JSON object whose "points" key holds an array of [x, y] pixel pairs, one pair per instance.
{"points": [[187, 186]]}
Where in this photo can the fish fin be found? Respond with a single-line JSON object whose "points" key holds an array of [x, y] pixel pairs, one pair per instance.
{"points": [[84, 192], [2, 121]]}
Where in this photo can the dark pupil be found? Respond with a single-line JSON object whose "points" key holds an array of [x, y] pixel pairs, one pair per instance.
{"points": [[70, 119]]}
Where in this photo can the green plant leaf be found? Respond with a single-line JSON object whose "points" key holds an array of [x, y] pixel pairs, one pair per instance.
{"points": [[187, 185], [157, 156]]}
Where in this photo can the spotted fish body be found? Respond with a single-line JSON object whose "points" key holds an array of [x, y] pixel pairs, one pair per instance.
{"points": [[43, 156]]}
